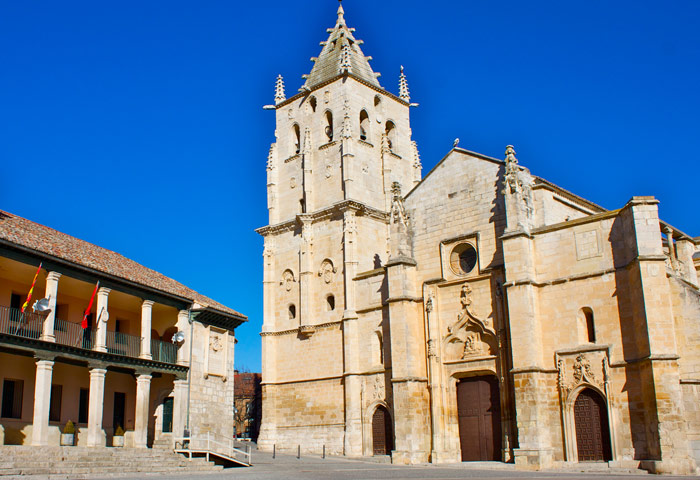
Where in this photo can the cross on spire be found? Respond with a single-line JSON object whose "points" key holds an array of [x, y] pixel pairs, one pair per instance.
{"points": [[341, 13]]}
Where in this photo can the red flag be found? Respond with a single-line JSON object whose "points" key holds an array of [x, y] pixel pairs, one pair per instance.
{"points": [[84, 324], [31, 289]]}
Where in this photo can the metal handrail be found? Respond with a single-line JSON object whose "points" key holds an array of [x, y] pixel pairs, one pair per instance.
{"points": [[123, 344], [212, 443], [31, 325], [73, 334], [26, 325], [163, 351]]}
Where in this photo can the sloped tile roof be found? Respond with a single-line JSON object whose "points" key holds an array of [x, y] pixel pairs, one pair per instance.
{"points": [[42, 239]]}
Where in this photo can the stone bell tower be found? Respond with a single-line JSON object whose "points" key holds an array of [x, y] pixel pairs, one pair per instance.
{"points": [[341, 143]]}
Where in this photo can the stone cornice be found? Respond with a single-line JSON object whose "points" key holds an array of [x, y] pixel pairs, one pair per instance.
{"points": [[409, 379], [401, 261], [663, 357], [79, 356], [298, 330], [304, 380], [584, 276], [404, 298], [369, 274], [340, 207], [578, 221], [318, 86], [580, 202]]}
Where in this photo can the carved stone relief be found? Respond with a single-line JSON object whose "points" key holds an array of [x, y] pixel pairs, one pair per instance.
{"points": [[287, 280], [470, 335], [575, 369], [327, 270]]}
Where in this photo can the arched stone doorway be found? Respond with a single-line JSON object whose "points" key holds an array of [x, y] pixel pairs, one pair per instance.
{"points": [[382, 432], [479, 412], [592, 429]]}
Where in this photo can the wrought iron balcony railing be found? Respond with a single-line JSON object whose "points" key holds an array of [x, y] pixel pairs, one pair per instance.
{"points": [[26, 325], [30, 325]]}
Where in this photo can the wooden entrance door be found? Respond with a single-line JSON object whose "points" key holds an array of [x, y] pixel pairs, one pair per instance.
{"points": [[382, 437], [479, 411], [168, 415], [592, 432]]}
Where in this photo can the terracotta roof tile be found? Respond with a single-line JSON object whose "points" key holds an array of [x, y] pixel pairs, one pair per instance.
{"points": [[42, 239]]}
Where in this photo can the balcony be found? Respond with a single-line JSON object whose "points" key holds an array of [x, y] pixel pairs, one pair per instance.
{"points": [[30, 325]]}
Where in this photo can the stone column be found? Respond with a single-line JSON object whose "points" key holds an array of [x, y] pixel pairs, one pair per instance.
{"points": [[651, 297], [47, 334], [96, 436], [42, 399], [532, 400], [143, 407], [408, 364], [179, 407], [101, 321], [146, 309], [351, 341], [183, 325]]}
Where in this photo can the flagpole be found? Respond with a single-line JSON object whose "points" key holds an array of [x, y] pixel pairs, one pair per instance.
{"points": [[29, 297]]}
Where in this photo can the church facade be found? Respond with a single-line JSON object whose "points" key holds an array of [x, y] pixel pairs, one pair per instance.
{"points": [[476, 313]]}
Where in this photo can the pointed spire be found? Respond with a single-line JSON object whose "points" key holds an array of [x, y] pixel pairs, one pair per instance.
{"points": [[279, 90], [341, 14], [341, 54], [403, 87]]}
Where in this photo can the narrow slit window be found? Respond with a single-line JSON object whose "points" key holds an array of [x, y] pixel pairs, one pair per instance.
{"points": [[328, 129]]}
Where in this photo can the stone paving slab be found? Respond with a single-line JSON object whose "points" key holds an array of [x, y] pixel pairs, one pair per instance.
{"points": [[311, 467]]}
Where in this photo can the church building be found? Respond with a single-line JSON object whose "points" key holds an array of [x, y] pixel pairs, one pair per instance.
{"points": [[476, 313]]}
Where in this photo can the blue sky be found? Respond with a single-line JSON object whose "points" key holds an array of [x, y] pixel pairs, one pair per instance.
{"points": [[138, 126]]}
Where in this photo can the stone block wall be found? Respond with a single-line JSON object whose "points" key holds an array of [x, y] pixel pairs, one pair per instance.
{"points": [[212, 379]]}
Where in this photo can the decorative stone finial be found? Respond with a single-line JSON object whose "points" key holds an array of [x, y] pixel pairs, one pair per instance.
{"points": [[398, 211], [345, 65], [341, 13], [279, 90], [403, 87], [416, 155], [510, 155], [271, 157]]}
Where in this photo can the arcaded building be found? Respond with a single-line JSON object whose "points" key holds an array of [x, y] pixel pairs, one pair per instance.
{"points": [[151, 358], [478, 312]]}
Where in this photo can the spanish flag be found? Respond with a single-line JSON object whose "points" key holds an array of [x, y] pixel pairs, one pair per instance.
{"points": [[29, 295], [84, 323]]}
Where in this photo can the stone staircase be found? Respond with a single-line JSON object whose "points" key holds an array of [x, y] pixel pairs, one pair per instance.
{"points": [[86, 462]]}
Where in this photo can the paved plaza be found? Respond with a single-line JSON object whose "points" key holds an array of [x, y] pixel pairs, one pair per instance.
{"points": [[286, 466]]}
